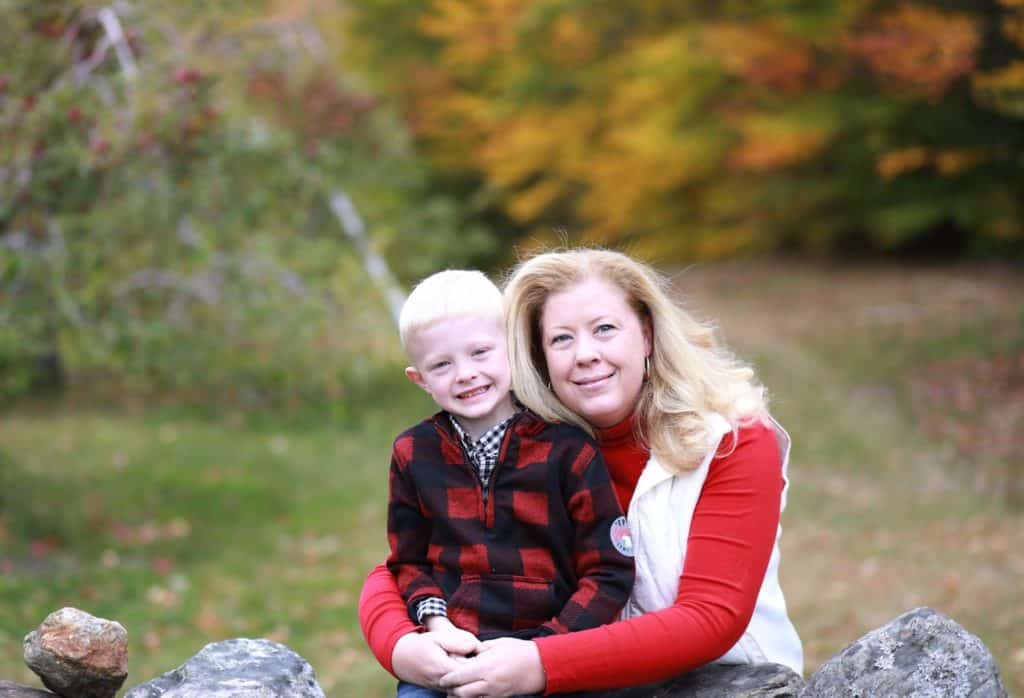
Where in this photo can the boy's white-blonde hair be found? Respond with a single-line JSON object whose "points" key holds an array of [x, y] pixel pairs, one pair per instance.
{"points": [[446, 294], [691, 374]]}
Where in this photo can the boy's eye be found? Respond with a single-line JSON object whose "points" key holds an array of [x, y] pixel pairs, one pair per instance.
{"points": [[481, 351], [439, 365]]}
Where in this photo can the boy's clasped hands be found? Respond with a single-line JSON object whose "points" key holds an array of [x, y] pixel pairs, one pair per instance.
{"points": [[458, 643]]}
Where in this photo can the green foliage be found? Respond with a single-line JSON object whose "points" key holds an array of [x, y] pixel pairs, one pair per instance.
{"points": [[164, 227]]}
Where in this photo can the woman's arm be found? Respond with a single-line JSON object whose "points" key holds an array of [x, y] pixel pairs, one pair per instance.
{"points": [[419, 658], [383, 615], [730, 542], [728, 548]]}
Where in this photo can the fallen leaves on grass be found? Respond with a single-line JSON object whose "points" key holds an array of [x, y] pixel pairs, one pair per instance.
{"points": [[977, 403], [150, 532]]}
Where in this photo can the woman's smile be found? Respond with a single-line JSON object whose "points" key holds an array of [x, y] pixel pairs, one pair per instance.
{"points": [[594, 383]]}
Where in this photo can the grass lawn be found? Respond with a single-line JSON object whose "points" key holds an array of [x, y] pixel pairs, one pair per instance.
{"points": [[899, 387]]}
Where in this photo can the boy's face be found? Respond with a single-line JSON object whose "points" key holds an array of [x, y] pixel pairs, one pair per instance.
{"points": [[463, 363]]}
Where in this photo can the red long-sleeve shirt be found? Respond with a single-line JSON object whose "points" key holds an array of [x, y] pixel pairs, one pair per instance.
{"points": [[734, 525]]}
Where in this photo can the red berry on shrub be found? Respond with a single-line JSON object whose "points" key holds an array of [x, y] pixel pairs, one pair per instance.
{"points": [[186, 76]]}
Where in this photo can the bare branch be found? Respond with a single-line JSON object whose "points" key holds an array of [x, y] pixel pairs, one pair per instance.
{"points": [[84, 69], [112, 25], [374, 264]]}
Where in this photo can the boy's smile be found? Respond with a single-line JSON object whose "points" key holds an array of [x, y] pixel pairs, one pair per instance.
{"points": [[463, 363]]}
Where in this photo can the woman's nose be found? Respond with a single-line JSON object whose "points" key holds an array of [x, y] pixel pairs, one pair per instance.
{"points": [[586, 351]]}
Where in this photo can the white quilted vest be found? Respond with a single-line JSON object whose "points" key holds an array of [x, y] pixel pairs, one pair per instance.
{"points": [[659, 523]]}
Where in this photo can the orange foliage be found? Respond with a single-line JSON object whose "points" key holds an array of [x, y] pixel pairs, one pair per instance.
{"points": [[918, 50], [947, 162], [897, 162], [772, 143], [572, 42], [762, 56]]}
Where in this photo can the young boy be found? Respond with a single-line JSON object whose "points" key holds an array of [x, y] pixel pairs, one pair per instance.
{"points": [[499, 524]]}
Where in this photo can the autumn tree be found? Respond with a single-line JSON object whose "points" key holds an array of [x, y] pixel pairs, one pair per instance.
{"points": [[695, 129]]}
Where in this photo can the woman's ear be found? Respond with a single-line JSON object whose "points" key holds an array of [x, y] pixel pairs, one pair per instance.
{"points": [[415, 376], [647, 327]]}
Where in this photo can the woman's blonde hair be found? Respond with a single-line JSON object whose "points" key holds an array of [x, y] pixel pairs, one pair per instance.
{"points": [[691, 376]]}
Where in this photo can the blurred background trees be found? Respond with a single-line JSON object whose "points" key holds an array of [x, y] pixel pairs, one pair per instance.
{"points": [[699, 130], [166, 169]]}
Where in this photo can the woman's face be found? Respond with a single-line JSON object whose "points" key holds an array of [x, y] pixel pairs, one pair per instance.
{"points": [[595, 345]]}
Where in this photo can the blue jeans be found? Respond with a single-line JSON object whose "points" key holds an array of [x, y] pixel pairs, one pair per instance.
{"points": [[411, 690]]}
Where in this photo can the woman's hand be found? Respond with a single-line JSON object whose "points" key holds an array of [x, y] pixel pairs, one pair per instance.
{"points": [[422, 659], [504, 667]]}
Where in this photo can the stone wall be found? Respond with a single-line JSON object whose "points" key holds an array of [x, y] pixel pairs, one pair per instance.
{"points": [[921, 653]]}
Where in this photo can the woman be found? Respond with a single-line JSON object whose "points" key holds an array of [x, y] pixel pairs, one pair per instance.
{"points": [[696, 461]]}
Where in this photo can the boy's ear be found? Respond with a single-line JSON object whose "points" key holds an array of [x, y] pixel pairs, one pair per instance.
{"points": [[415, 376]]}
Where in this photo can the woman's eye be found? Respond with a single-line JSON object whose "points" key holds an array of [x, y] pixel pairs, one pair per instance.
{"points": [[605, 327], [559, 339]]}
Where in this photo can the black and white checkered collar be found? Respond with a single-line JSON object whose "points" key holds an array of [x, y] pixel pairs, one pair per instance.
{"points": [[489, 442]]}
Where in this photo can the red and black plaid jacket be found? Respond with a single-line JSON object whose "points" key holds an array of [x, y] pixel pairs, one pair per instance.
{"points": [[530, 556]]}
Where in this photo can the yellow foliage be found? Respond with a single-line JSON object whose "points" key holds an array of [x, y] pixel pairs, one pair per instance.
{"points": [[535, 142], [530, 203], [474, 31], [1002, 89]]}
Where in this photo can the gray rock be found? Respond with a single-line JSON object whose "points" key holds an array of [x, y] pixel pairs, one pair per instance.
{"points": [[78, 655], [921, 654], [9, 689], [722, 681], [236, 669]]}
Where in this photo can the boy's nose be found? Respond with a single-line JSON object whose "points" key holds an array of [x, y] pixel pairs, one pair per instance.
{"points": [[465, 372]]}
